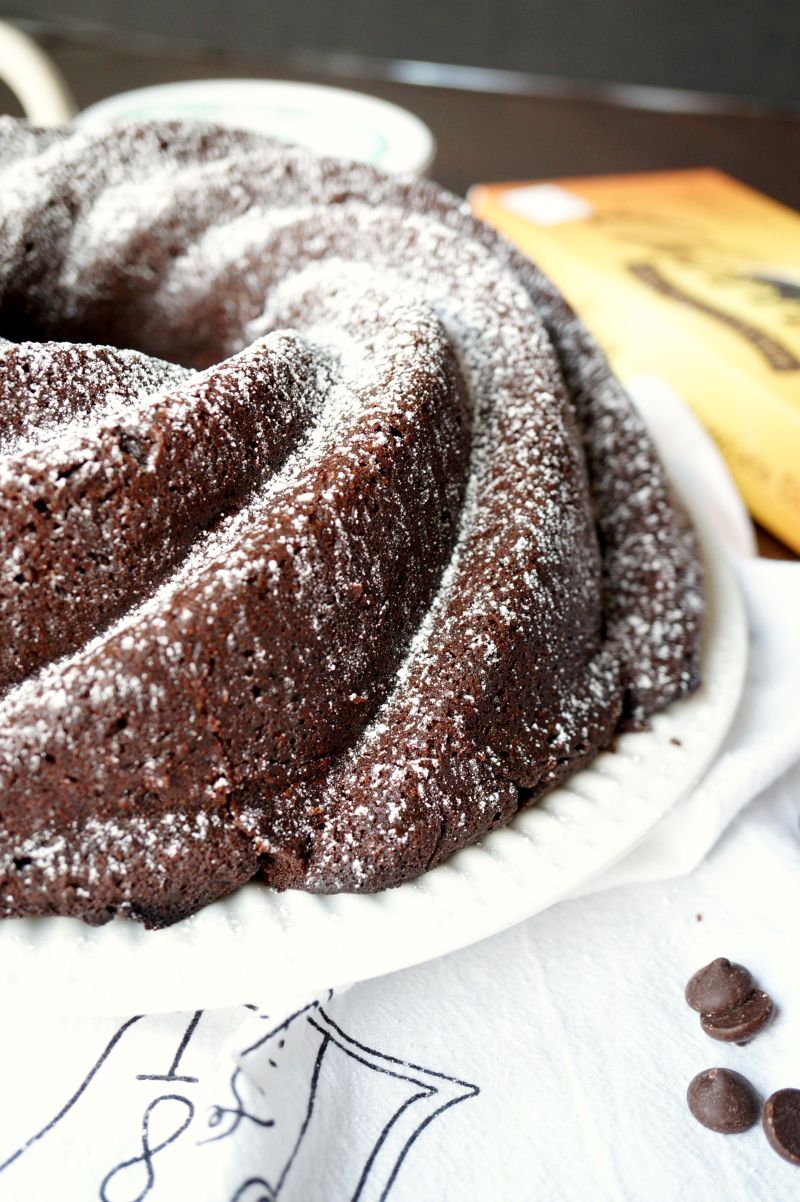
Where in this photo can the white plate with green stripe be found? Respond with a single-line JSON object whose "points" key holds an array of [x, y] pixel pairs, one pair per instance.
{"points": [[328, 121]]}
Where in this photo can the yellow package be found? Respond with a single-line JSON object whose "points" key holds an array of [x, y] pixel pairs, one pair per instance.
{"points": [[692, 277]]}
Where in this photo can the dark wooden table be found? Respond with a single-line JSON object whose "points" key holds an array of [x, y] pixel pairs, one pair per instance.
{"points": [[484, 137]]}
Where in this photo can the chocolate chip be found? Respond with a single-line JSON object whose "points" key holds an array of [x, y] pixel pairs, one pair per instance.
{"points": [[781, 1122], [719, 986], [723, 1100], [741, 1023]]}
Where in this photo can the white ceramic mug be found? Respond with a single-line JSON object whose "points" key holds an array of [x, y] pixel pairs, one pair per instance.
{"points": [[34, 78]]}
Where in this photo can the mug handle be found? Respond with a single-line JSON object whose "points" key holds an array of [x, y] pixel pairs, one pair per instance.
{"points": [[34, 78]]}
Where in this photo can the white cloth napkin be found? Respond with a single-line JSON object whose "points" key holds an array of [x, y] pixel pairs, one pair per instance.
{"points": [[549, 1062]]}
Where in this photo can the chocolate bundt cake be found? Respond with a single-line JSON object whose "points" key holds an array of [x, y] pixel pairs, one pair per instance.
{"points": [[329, 540]]}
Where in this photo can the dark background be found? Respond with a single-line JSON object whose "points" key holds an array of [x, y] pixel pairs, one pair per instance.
{"points": [[741, 48], [564, 126]]}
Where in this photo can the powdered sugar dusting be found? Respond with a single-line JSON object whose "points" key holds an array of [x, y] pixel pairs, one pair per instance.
{"points": [[343, 605]]}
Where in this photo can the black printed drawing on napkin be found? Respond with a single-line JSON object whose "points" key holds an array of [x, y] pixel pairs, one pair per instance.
{"points": [[310, 1104], [107, 1138], [308, 1107]]}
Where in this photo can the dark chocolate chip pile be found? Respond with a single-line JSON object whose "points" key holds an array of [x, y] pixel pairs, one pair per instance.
{"points": [[734, 1010], [731, 1008], [723, 1100], [781, 1122]]}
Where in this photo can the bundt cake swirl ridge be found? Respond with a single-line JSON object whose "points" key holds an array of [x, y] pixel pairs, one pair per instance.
{"points": [[387, 569]]}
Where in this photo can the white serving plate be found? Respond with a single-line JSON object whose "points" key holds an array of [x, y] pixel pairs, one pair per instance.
{"points": [[329, 121], [258, 942]]}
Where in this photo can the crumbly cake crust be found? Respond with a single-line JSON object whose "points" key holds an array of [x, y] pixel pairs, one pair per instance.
{"points": [[359, 549]]}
